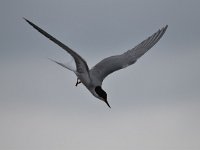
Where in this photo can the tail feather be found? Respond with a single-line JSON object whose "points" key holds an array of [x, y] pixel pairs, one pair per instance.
{"points": [[63, 65]]}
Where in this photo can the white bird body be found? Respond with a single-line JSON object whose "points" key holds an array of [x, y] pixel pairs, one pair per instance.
{"points": [[93, 78]]}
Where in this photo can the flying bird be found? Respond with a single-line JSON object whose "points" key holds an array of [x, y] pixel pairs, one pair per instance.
{"points": [[93, 78]]}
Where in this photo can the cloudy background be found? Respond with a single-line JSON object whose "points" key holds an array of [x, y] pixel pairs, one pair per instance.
{"points": [[155, 103]]}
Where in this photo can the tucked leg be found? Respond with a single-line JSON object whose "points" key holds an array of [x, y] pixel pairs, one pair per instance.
{"points": [[77, 82]]}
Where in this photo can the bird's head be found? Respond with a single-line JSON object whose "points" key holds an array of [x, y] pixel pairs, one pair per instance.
{"points": [[101, 94]]}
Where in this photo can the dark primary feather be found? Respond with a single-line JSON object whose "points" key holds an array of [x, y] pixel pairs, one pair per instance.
{"points": [[77, 58], [114, 63]]}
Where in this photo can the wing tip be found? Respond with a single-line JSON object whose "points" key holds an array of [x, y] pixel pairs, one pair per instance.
{"points": [[51, 59], [165, 28], [32, 24], [26, 20]]}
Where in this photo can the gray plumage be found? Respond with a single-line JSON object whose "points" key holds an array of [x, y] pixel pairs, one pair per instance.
{"points": [[94, 77]]}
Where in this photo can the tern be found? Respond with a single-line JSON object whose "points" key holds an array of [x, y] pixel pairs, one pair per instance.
{"points": [[93, 78]]}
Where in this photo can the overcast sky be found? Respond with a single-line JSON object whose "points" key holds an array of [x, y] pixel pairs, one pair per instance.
{"points": [[155, 102]]}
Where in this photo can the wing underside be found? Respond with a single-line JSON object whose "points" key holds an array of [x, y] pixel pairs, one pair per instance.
{"points": [[114, 63]]}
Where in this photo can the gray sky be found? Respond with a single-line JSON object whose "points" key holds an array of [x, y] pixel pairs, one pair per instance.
{"points": [[155, 102]]}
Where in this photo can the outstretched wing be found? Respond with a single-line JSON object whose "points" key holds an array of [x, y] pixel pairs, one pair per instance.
{"points": [[114, 63], [81, 65]]}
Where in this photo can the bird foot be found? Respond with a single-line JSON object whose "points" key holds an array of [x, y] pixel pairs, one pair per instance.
{"points": [[78, 82]]}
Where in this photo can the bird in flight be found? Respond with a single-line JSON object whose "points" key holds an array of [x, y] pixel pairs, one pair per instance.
{"points": [[93, 78]]}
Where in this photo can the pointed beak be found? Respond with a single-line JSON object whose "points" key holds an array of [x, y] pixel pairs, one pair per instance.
{"points": [[107, 103]]}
